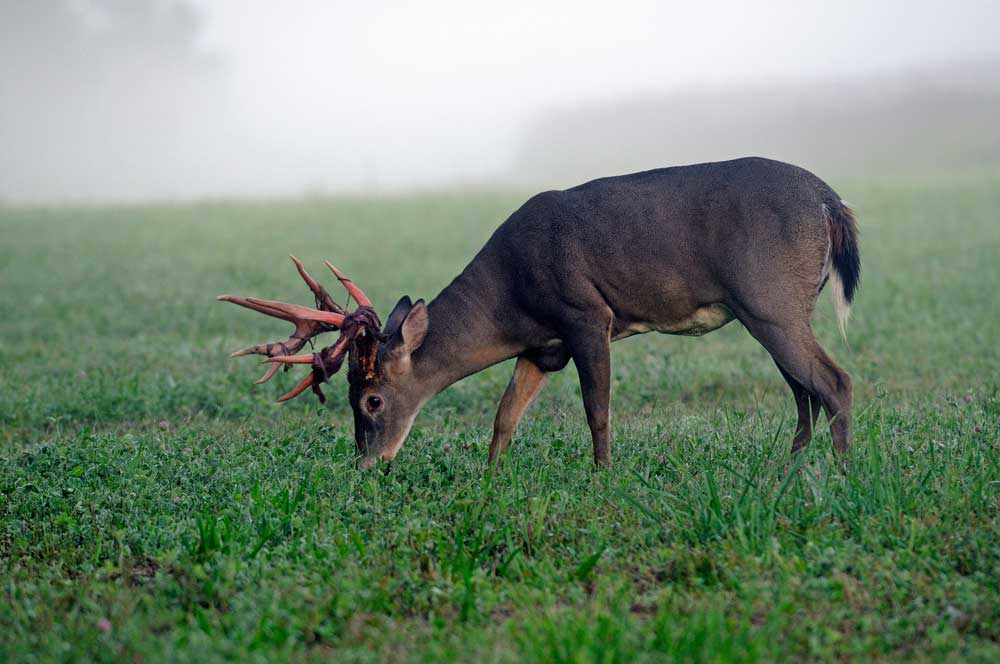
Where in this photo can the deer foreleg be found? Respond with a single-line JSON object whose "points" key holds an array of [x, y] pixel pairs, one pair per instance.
{"points": [[522, 389], [591, 351]]}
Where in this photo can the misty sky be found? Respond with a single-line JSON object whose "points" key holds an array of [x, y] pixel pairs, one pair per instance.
{"points": [[329, 96]]}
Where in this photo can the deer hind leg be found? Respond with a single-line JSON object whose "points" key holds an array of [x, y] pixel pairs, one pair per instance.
{"points": [[796, 351], [808, 407], [524, 386]]}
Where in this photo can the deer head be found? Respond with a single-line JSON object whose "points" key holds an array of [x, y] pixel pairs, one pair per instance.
{"points": [[379, 362], [386, 401]]}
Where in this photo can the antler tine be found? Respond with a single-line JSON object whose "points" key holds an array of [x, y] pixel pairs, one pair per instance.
{"points": [[268, 375], [324, 364], [293, 344], [259, 306], [285, 311], [290, 359], [323, 299], [287, 347], [298, 389], [351, 287], [308, 323]]}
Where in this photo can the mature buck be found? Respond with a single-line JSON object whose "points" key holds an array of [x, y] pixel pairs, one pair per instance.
{"points": [[678, 250]]}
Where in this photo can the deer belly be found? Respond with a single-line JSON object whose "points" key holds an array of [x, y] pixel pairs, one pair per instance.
{"points": [[701, 321]]}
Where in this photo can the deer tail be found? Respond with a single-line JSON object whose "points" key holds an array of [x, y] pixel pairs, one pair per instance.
{"points": [[845, 256]]}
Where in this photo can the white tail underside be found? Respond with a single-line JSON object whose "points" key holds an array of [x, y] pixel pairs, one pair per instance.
{"points": [[840, 302]]}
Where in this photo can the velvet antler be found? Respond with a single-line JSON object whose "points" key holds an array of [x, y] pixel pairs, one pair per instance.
{"points": [[361, 326]]}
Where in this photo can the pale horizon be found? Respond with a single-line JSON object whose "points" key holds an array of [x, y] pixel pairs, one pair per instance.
{"points": [[173, 100]]}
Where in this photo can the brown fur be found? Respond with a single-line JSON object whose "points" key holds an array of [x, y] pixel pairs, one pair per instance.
{"points": [[675, 250]]}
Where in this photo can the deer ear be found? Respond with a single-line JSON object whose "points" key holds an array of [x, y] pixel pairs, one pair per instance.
{"points": [[414, 327], [397, 316]]}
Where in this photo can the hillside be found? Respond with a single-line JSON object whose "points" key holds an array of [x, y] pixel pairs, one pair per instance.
{"points": [[935, 121]]}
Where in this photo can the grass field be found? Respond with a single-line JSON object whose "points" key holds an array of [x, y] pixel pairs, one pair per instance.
{"points": [[156, 505]]}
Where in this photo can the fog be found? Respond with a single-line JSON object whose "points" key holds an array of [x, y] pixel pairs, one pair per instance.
{"points": [[163, 99]]}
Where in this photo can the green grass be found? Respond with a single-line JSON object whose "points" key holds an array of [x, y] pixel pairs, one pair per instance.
{"points": [[146, 482]]}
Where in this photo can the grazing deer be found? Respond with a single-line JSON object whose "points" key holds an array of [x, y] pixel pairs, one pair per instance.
{"points": [[678, 250]]}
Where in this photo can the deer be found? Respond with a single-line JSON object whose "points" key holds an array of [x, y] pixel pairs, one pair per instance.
{"points": [[682, 250]]}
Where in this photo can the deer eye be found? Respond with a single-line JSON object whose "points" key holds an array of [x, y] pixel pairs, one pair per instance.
{"points": [[374, 403]]}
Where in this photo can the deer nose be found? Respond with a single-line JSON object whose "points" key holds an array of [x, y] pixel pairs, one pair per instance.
{"points": [[367, 463]]}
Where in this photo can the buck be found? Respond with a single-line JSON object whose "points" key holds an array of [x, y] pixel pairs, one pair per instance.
{"points": [[681, 250]]}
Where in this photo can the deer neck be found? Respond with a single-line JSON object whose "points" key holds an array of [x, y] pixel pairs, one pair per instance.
{"points": [[464, 336]]}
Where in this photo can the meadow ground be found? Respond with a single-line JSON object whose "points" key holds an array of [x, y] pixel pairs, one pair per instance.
{"points": [[156, 505]]}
